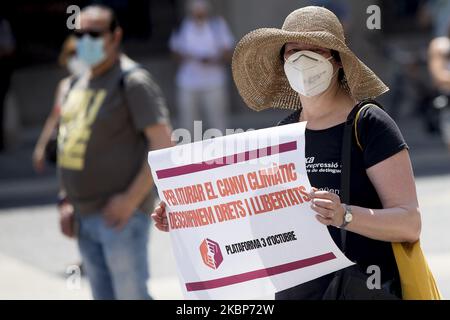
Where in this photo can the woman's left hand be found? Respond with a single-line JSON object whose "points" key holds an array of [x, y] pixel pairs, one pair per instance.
{"points": [[328, 206]]}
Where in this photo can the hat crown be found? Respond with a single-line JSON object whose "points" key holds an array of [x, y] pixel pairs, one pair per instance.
{"points": [[312, 18]]}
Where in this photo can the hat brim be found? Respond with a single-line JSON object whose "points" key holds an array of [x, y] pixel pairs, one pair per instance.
{"points": [[259, 74]]}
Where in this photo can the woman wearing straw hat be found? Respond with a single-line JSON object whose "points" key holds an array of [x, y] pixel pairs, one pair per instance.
{"points": [[306, 66]]}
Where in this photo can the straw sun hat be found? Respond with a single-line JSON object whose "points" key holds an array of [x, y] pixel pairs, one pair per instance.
{"points": [[258, 70]]}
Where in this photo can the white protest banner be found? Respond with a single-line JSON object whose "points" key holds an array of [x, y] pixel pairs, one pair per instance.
{"points": [[239, 214]]}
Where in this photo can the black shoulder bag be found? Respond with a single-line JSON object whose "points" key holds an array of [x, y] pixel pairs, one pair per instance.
{"points": [[351, 283]]}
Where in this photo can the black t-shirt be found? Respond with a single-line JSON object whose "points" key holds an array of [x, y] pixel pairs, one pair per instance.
{"points": [[380, 138]]}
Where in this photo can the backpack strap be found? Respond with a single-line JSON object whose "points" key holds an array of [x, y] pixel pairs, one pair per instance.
{"points": [[346, 153], [346, 156], [126, 73]]}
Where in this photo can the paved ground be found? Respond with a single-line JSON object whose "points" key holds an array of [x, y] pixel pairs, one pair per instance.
{"points": [[36, 261], [34, 256]]}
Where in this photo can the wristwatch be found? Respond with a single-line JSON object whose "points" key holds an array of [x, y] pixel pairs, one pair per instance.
{"points": [[348, 216]]}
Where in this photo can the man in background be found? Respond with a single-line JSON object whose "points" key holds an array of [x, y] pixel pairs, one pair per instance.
{"points": [[112, 116]]}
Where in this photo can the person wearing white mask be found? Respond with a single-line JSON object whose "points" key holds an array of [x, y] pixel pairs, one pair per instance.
{"points": [[306, 66]]}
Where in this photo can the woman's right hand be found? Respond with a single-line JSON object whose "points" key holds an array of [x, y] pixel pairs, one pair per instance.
{"points": [[160, 217]]}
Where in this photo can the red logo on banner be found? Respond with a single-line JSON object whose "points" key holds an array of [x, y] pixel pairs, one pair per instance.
{"points": [[211, 253]]}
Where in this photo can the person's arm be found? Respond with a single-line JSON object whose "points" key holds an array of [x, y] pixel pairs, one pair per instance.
{"points": [[225, 57], [176, 47], [44, 138], [227, 40], [49, 127], [388, 166], [438, 63], [224, 37], [399, 221], [120, 207]]}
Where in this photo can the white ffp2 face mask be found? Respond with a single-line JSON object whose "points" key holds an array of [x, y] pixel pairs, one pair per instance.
{"points": [[308, 73]]}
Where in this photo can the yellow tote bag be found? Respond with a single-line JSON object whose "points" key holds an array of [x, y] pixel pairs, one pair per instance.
{"points": [[416, 278]]}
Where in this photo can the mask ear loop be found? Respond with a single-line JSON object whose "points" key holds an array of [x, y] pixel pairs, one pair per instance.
{"points": [[343, 83], [337, 70]]}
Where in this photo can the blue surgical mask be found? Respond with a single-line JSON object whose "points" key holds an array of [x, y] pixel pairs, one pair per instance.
{"points": [[90, 50]]}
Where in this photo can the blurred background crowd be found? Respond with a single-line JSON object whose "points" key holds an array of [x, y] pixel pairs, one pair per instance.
{"points": [[35, 55]]}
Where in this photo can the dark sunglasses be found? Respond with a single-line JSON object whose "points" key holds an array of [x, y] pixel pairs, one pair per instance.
{"points": [[92, 33]]}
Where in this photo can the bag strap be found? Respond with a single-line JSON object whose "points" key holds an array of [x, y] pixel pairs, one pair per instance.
{"points": [[123, 77], [125, 73], [346, 156], [72, 81], [358, 115]]}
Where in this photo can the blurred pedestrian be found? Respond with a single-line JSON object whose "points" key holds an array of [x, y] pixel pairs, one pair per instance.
{"points": [[7, 49], [202, 45], [46, 146], [439, 66], [112, 116]]}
